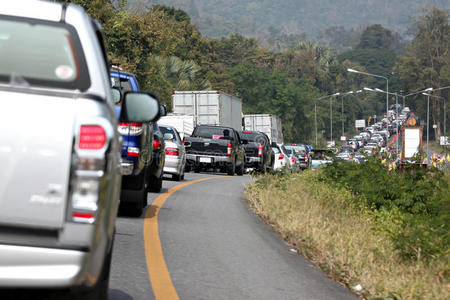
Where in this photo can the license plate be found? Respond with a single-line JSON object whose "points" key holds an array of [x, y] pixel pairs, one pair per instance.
{"points": [[205, 159]]}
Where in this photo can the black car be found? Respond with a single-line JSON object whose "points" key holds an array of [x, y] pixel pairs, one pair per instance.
{"points": [[158, 159], [258, 153]]}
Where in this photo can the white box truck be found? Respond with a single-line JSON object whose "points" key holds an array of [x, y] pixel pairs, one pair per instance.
{"points": [[184, 124], [209, 107], [267, 123]]}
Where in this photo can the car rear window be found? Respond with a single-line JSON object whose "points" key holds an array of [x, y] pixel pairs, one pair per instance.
{"points": [[255, 137], [41, 53], [123, 84], [211, 132], [169, 130]]}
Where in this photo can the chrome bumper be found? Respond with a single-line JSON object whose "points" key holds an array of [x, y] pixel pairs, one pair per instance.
{"points": [[208, 159], [127, 168], [40, 267]]}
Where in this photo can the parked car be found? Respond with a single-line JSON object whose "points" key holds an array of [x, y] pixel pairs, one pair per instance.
{"points": [[294, 163], [258, 153], [280, 158], [321, 157], [61, 173], [344, 156], [175, 152], [137, 152], [215, 147], [158, 159]]}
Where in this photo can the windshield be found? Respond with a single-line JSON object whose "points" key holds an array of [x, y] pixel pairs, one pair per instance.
{"points": [[41, 54]]}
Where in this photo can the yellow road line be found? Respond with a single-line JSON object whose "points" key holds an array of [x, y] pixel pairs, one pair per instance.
{"points": [[156, 265]]}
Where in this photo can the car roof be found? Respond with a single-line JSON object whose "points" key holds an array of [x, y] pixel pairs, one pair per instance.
{"points": [[43, 10]]}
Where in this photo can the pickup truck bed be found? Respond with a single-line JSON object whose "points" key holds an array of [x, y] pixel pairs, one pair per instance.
{"points": [[215, 147]]}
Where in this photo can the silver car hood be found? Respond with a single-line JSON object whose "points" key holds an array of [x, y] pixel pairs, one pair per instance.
{"points": [[36, 138]]}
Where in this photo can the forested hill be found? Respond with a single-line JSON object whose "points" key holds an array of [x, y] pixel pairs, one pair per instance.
{"points": [[266, 18]]}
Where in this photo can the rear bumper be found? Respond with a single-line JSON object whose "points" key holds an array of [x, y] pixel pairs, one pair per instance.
{"points": [[173, 165], [208, 159], [127, 167], [251, 161], [35, 267]]}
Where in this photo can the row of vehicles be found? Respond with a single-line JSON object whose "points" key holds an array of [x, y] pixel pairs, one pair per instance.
{"points": [[375, 138]]}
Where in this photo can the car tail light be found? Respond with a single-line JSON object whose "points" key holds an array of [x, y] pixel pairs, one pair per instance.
{"points": [[133, 151], [87, 174], [229, 149], [156, 145], [172, 151], [92, 137], [292, 160], [130, 128], [281, 156], [260, 150], [306, 156]]}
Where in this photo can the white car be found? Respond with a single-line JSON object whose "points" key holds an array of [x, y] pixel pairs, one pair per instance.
{"points": [[175, 153], [281, 158]]}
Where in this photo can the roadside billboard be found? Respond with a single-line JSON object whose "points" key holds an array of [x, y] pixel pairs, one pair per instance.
{"points": [[411, 141], [360, 123]]}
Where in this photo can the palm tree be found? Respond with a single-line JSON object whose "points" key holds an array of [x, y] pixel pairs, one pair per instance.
{"points": [[182, 75]]}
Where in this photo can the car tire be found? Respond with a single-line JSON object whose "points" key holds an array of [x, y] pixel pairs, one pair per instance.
{"points": [[241, 170], [231, 169], [176, 177], [134, 207], [155, 184], [262, 168]]}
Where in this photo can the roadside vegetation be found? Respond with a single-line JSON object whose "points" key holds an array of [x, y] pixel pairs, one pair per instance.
{"points": [[387, 232]]}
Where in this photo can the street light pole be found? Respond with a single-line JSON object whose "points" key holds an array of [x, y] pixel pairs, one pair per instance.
{"points": [[428, 123], [331, 120], [342, 114], [379, 76], [331, 114], [315, 120]]}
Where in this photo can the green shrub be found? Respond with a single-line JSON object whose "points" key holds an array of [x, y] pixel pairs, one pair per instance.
{"points": [[420, 198]]}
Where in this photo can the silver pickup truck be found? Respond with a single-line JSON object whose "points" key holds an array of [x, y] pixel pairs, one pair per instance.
{"points": [[60, 168]]}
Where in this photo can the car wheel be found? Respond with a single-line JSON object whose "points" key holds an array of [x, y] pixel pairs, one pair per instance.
{"points": [[241, 170], [155, 184], [262, 168], [231, 169], [176, 177]]}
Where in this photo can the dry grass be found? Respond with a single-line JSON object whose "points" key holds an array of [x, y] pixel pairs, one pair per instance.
{"points": [[346, 243]]}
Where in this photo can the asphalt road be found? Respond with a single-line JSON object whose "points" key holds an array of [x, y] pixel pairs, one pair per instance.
{"points": [[213, 247]]}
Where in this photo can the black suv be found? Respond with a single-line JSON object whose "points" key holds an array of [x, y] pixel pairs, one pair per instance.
{"points": [[158, 159], [258, 153]]}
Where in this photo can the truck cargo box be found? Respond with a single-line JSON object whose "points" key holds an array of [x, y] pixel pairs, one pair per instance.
{"points": [[209, 107], [267, 123]]}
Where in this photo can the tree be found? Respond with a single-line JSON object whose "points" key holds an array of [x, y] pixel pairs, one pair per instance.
{"points": [[426, 62]]}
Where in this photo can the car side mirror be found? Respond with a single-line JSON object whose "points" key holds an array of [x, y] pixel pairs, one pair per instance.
{"points": [[273, 144], [140, 107], [116, 95]]}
